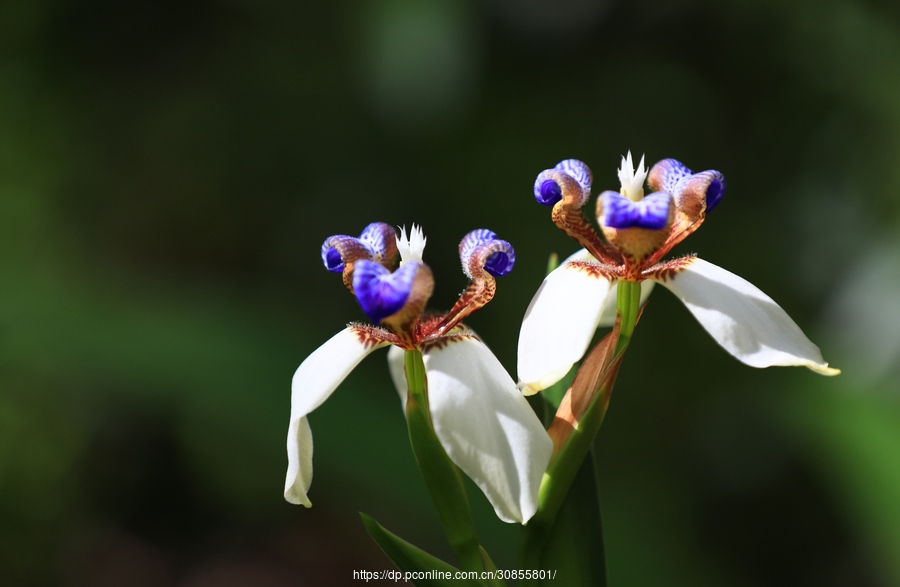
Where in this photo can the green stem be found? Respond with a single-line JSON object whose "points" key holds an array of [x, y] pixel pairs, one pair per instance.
{"points": [[628, 305], [569, 457], [558, 479], [443, 480]]}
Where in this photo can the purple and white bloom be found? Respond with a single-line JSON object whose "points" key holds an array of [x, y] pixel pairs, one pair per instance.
{"points": [[480, 417], [638, 231]]}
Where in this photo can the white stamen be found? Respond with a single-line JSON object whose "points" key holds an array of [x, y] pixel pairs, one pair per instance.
{"points": [[411, 248], [632, 180]]}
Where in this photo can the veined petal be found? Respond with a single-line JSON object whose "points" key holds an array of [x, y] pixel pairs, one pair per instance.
{"points": [[579, 171], [652, 212], [608, 317], [745, 321], [486, 425], [560, 321], [379, 292], [314, 381]]}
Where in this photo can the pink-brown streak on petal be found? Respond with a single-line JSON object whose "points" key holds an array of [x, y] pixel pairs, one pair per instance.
{"points": [[663, 272], [444, 341], [476, 296], [370, 336], [596, 269], [597, 374]]}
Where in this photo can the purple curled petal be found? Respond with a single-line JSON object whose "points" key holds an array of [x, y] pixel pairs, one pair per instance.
{"points": [[667, 174], [337, 248], [378, 242], [482, 250], [502, 262], [378, 238], [652, 212], [578, 171], [546, 191], [709, 185], [473, 240], [332, 259], [715, 191], [379, 292]]}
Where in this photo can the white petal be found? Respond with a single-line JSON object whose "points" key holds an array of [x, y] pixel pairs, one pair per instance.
{"points": [[608, 317], [316, 378], [397, 366], [299, 473], [486, 425], [745, 321], [560, 322]]}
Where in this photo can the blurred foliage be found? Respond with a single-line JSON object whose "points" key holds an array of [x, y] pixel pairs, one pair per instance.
{"points": [[168, 171]]}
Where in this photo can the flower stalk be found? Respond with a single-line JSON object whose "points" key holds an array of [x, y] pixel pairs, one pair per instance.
{"points": [[628, 306], [574, 428], [442, 478]]}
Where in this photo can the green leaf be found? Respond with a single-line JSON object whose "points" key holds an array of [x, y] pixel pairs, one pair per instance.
{"points": [[571, 544], [575, 544], [491, 567], [426, 569]]}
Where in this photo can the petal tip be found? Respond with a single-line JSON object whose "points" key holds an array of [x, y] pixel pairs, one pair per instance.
{"points": [[293, 496], [824, 369], [528, 388]]}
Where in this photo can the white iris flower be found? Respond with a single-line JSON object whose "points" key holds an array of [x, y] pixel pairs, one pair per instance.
{"points": [[480, 418], [579, 296]]}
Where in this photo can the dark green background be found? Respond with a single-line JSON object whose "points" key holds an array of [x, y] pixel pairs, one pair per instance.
{"points": [[168, 171]]}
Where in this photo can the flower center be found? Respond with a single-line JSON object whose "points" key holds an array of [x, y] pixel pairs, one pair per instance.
{"points": [[632, 179], [412, 247]]}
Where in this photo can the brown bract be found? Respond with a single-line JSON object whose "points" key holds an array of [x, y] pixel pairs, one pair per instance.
{"points": [[596, 375]]}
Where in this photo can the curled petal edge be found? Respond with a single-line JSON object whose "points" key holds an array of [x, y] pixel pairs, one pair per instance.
{"points": [[481, 251]]}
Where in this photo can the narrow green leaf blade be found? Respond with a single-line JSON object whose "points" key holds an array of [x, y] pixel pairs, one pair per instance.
{"points": [[575, 545], [492, 568], [570, 546], [426, 570]]}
